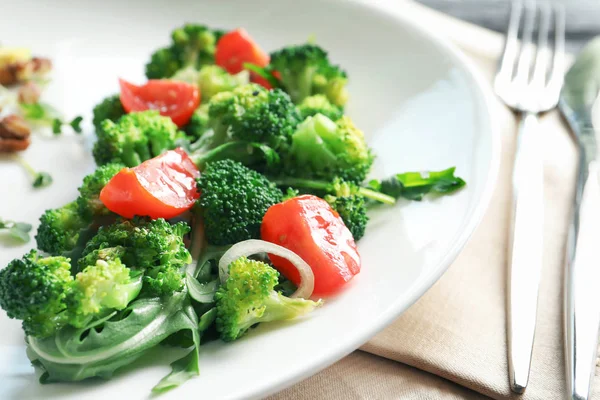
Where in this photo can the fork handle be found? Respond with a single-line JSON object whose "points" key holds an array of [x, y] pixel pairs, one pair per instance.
{"points": [[526, 249], [582, 300]]}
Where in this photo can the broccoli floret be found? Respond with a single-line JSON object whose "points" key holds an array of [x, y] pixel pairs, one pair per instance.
{"points": [[106, 254], [44, 295], [101, 288], [192, 45], [213, 79], [135, 138], [351, 206], [155, 247], [325, 149], [254, 114], [319, 104], [110, 108], [60, 228], [198, 124], [305, 71], [34, 290], [89, 193], [234, 200], [248, 298]]}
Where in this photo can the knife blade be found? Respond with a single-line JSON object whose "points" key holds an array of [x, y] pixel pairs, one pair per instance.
{"points": [[582, 298]]}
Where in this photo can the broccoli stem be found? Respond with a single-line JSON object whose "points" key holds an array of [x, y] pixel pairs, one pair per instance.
{"points": [[248, 153], [328, 187], [377, 196]]}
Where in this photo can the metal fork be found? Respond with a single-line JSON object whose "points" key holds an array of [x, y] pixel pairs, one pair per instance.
{"points": [[528, 80]]}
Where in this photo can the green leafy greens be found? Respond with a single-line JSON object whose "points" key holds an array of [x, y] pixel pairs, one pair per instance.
{"points": [[415, 185], [17, 230]]}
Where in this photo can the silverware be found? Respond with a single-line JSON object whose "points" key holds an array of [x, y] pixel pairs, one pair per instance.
{"points": [[528, 81], [582, 295]]}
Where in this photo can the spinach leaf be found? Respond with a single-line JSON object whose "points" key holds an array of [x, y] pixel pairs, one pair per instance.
{"points": [[415, 185]]}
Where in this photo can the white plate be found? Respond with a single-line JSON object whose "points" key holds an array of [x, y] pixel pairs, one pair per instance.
{"points": [[414, 96]]}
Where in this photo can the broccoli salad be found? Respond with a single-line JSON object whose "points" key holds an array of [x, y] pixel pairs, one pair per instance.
{"points": [[230, 190]]}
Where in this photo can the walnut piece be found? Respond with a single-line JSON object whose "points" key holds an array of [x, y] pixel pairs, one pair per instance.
{"points": [[29, 93], [14, 127], [14, 134], [23, 71], [13, 145]]}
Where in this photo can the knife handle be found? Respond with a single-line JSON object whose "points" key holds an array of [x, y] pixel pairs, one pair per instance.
{"points": [[526, 250], [582, 300]]}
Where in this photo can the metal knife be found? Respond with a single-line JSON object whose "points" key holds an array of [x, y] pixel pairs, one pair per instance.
{"points": [[582, 279]]}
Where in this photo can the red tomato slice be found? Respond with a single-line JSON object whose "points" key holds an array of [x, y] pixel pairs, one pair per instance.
{"points": [[236, 48], [309, 227], [162, 187], [173, 99]]}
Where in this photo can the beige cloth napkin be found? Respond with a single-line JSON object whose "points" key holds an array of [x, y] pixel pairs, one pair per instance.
{"points": [[451, 344]]}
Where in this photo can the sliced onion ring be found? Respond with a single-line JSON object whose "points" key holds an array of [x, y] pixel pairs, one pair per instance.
{"points": [[253, 246]]}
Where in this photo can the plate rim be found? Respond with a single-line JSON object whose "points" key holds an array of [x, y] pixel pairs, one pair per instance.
{"points": [[484, 93]]}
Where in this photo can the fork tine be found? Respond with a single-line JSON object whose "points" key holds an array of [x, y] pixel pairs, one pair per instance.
{"points": [[509, 55], [542, 59], [526, 56], [558, 67]]}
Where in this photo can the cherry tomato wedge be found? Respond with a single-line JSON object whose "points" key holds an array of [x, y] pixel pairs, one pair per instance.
{"points": [[173, 99], [236, 48], [309, 227], [162, 187]]}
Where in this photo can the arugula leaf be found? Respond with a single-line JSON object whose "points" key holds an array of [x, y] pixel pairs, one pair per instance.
{"points": [[181, 370], [202, 292], [187, 366], [16, 230], [74, 354], [415, 185]]}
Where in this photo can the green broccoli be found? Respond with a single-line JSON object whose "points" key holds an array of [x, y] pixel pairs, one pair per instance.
{"points": [[249, 124], [213, 79], [44, 295], [100, 289], [305, 71], [234, 200], [248, 298], [135, 138], [35, 290], [319, 104], [254, 114], [351, 207], [155, 247], [198, 124], [322, 148], [192, 45], [109, 108], [89, 193], [60, 228]]}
